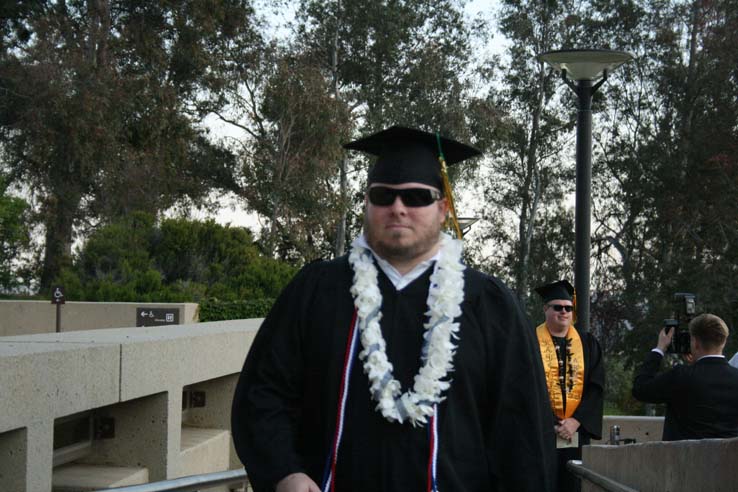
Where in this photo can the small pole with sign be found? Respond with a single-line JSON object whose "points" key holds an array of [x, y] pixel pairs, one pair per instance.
{"points": [[57, 297]]}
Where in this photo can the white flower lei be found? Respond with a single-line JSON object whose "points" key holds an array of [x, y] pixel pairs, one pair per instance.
{"points": [[444, 305]]}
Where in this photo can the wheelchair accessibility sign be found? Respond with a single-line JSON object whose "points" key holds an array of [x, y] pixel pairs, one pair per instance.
{"points": [[157, 316], [57, 295]]}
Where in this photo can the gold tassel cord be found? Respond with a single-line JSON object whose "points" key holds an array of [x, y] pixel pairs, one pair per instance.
{"points": [[453, 219], [447, 192]]}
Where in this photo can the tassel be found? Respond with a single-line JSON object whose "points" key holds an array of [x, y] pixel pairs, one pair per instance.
{"points": [[452, 219]]}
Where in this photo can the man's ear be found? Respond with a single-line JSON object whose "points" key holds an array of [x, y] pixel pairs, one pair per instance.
{"points": [[445, 208], [696, 342]]}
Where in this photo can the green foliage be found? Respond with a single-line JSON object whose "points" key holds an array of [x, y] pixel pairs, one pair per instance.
{"points": [[351, 65], [216, 310], [175, 261], [101, 105], [618, 387], [14, 235], [664, 185], [101, 102]]}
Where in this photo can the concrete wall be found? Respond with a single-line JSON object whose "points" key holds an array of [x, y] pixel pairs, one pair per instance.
{"points": [[708, 465], [31, 317], [642, 429], [135, 376]]}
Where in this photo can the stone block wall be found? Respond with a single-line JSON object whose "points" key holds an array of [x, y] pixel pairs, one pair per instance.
{"points": [[132, 377], [32, 317], [707, 465]]}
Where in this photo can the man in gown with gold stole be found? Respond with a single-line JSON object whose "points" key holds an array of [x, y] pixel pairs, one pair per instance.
{"points": [[575, 376]]}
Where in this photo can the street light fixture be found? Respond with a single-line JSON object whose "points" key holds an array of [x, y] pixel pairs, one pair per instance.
{"points": [[465, 223], [584, 67]]}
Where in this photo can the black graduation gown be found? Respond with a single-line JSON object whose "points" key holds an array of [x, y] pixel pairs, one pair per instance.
{"points": [[494, 425], [589, 411]]}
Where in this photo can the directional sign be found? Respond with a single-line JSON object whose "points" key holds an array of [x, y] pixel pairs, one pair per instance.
{"points": [[157, 316], [57, 295]]}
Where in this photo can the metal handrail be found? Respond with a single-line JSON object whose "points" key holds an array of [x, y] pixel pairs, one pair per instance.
{"points": [[605, 483], [192, 483]]}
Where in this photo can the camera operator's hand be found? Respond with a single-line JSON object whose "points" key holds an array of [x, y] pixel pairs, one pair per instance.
{"points": [[665, 339]]}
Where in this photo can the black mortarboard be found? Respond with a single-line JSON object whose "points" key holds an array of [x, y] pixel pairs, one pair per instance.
{"points": [[556, 290], [407, 155]]}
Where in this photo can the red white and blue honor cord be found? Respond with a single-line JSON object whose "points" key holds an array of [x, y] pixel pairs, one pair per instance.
{"points": [[433, 452], [329, 476]]}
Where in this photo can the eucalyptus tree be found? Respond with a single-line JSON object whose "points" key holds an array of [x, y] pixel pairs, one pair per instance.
{"points": [[101, 101], [695, 228], [294, 129], [391, 62], [666, 222], [528, 178], [14, 235]]}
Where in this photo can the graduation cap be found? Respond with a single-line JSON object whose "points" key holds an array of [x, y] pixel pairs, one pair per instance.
{"points": [[561, 289], [556, 290], [407, 155]]}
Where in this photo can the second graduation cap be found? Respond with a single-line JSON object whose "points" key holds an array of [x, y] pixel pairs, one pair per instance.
{"points": [[561, 289], [407, 155]]}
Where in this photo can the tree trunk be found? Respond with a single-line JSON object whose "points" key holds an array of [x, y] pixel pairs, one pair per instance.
{"points": [[58, 248], [341, 227], [531, 197], [340, 243]]}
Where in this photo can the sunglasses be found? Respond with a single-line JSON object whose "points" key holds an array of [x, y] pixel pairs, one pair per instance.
{"points": [[559, 308], [382, 196]]}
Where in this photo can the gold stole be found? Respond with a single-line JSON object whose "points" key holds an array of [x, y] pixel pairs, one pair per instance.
{"points": [[551, 369]]}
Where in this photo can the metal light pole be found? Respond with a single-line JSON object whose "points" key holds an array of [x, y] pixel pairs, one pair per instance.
{"points": [[584, 67]]}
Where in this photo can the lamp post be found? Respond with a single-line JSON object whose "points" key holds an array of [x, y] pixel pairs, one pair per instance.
{"points": [[465, 223], [584, 67]]}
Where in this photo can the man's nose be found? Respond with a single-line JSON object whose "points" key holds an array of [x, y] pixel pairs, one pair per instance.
{"points": [[398, 205]]}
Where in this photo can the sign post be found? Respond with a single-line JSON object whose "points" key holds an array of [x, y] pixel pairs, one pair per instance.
{"points": [[57, 297]]}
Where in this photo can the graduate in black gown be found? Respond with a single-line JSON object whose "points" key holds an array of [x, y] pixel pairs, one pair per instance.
{"points": [[396, 368], [575, 376]]}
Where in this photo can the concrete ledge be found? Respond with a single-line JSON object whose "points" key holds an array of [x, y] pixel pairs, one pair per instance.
{"points": [[13, 454], [43, 380], [154, 359], [194, 353], [204, 450], [32, 317], [134, 376], [642, 429], [219, 395], [83, 478], [704, 465], [144, 435]]}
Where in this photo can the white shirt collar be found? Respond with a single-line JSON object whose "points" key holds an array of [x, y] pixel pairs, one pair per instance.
{"points": [[711, 355], [398, 280], [659, 351]]}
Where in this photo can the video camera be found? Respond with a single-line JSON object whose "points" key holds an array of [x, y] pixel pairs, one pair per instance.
{"points": [[685, 306]]}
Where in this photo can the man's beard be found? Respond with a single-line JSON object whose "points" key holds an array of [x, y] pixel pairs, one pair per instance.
{"points": [[390, 251]]}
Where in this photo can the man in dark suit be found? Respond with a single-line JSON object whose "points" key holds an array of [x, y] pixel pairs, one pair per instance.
{"points": [[701, 398]]}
